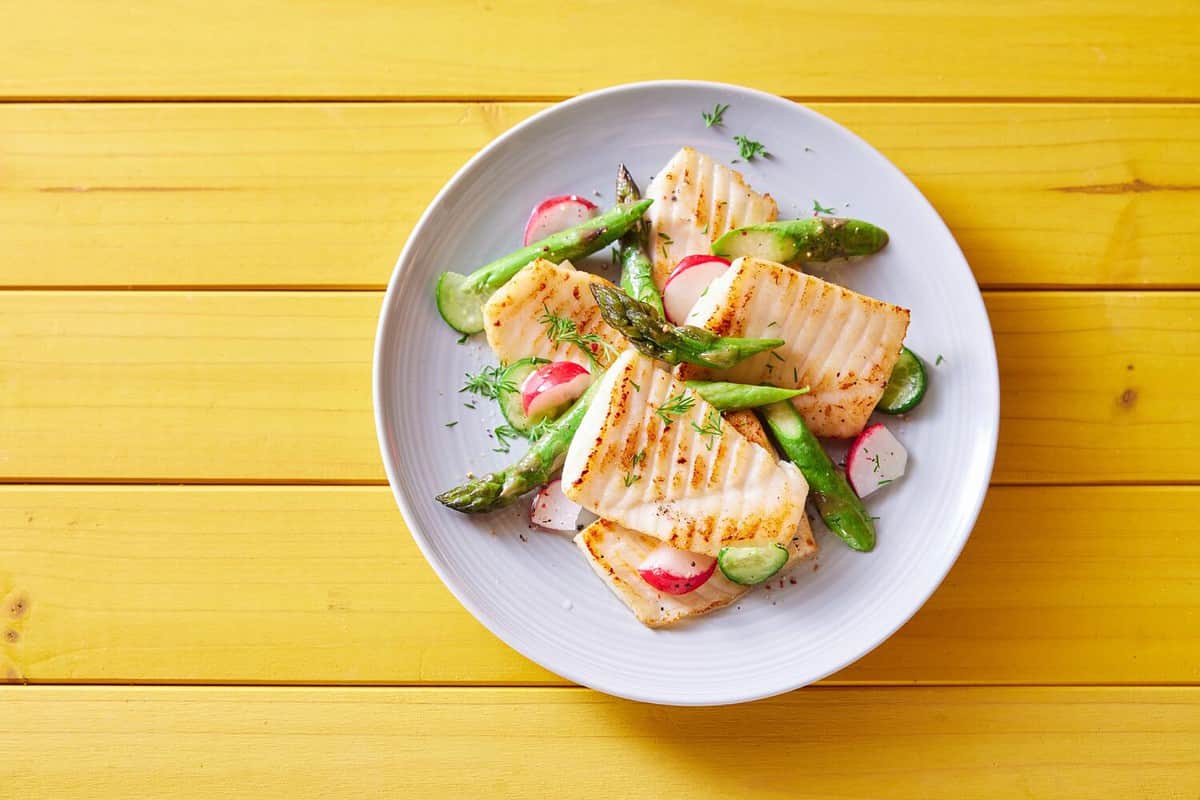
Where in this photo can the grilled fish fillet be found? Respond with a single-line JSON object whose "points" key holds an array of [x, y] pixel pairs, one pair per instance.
{"points": [[615, 552], [841, 344], [671, 480], [511, 315], [696, 200]]}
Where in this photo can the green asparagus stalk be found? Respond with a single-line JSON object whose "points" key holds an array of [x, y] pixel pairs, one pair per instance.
{"points": [[653, 337], [543, 458], [796, 241], [637, 271], [837, 503], [735, 396], [460, 298]]}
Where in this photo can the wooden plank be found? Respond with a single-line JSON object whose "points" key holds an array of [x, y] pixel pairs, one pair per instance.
{"points": [[324, 195], [88, 742], [937, 48], [324, 585], [275, 386]]}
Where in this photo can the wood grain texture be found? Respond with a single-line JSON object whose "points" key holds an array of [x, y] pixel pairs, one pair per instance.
{"points": [[202, 743], [275, 386], [325, 585], [469, 48], [324, 195]]}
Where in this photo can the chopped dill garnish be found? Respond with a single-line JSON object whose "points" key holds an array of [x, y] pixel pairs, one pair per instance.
{"points": [[539, 429], [504, 434], [630, 478], [675, 406], [451, 424], [776, 355], [488, 383], [560, 330], [711, 427], [716, 116], [939, 361], [820, 209], [749, 149], [462, 339]]}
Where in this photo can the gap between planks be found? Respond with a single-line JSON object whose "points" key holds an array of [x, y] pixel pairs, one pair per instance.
{"points": [[1008, 288], [366, 686], [66, 482], [410, 99]]}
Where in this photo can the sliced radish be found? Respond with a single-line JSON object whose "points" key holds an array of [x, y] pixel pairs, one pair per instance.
{"points": [[552, 509], [553, 386], [687, 283], [674, 571], [556, 214], [876, 458]]}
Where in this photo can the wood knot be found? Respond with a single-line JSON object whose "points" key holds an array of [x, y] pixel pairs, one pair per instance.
{"points": [[11, 636], [18, 606], [1128, 398]]}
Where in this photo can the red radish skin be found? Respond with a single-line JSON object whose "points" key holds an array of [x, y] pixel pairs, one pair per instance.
{"points": [[553, 510], [687, 283], [674, 571], [875, 459], [552, 386], [556, 214]]}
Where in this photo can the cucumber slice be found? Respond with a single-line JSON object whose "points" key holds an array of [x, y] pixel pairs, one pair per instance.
{"points": [[510, 399], [461, 307], [769, 245], [906, 387], [751, 564]]}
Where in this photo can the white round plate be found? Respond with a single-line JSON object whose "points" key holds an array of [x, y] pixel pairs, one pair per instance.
{"points": [[534, 590]]}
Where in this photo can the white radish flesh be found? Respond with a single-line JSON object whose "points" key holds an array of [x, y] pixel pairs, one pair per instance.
{"points": [[876, 458], [687, 283], [552, 509], [674, 571], [553, 385], [556, 214]]}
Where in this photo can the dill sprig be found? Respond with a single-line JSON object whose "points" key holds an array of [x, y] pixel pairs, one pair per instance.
{"points": [[716, 116], [749, 149], [675, 406], [504, 434], [488, 383], [711, 427], [560, 330], [539, 429], [630, 478]]}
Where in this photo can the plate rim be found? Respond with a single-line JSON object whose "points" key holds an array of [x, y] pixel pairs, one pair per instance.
{"points": [[732, 696]]}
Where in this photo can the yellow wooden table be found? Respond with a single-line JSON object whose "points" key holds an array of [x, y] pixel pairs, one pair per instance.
{"points": [[205, 588]]}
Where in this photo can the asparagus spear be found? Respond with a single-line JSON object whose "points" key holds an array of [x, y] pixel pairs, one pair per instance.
{"points": [[637, 271], [796, 241], [839, 506], [546, 455], [543, 458], [460, 298], [646, 331], [733, 396]]}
